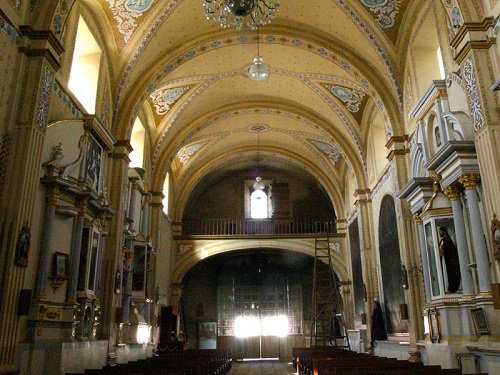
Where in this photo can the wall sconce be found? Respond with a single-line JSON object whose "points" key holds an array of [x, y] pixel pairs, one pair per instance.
{"points": [[365, 294], [404, 277]]}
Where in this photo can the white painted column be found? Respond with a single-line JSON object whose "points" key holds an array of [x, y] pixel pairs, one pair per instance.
{"points": [[483, 264], [453, 195]]}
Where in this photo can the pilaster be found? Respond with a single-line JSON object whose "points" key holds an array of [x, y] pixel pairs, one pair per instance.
{"points": [[476, 51], [111, 271], [368, 261], [41, 51], [483, 265]]}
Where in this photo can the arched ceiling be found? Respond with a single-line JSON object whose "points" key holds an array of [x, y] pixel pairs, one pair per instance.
{"points": [[331, 61]]}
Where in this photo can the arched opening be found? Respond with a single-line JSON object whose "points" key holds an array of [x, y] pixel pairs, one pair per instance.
{"points": [[426, 56], [258, 300], [137, 140], [84, 76], [390, 265], [166, 191]]}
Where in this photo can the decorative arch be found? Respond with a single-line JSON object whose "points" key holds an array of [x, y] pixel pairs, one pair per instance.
{"points": [[200, 252], [187, 188], [136, 93]]}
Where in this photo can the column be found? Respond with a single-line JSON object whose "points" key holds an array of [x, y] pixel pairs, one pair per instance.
{"points": [[134, 197], [453, 195], [44, 261], [110, 298], [469, 181], [366, 243], [145, 216], [38, 59], [423, 254], [127, 281], [76, 249]]}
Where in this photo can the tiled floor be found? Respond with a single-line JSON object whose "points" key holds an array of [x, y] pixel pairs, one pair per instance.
{"points": [[261, 368]]}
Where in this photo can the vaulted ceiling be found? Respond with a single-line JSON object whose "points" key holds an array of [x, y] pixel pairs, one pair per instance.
{"points": [[333, 75]]}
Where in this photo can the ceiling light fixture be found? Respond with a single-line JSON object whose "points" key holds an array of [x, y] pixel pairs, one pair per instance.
{"points": [[258, 71], [241, 13]]}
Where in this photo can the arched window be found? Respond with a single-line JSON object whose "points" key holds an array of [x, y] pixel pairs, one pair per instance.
{"points": [[137, 143], [258, 205], [165, 200], [84, 74]]}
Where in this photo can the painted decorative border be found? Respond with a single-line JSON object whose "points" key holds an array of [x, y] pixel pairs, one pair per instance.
{"points": [[9, 30], [473, 94]]}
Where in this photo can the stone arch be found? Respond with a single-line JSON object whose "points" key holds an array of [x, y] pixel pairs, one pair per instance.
{"points": [[329, 187], [202, 251]]}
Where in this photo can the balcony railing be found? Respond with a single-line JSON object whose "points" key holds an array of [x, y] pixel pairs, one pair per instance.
{"points": [[243, 227]]}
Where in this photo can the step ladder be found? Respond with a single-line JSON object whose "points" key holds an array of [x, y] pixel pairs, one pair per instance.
{"points": [[328, 327]]}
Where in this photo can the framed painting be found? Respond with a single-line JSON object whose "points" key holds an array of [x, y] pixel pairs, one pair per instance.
{"points": [[480, 321], [93, 163], [60, 266]]}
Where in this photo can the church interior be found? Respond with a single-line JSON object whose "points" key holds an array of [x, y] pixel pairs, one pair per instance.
{"points": [[250, 176]]}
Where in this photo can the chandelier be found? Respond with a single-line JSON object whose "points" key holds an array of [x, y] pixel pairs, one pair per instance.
{"points": [[241, 13], [258, 70]]}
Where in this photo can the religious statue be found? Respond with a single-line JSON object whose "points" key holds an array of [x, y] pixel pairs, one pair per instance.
{"points": [[23, 246], [495, 236], [450, 263]]}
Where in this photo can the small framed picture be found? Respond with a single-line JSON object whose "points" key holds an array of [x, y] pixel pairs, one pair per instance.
{"points": [[480, 321], [434, 325], [60, 267]]}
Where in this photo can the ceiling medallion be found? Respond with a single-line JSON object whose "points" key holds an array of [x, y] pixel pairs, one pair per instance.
{"points": [[241, 13]]}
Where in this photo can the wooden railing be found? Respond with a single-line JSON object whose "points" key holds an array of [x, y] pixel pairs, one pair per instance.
{"points": [[239, 227]]}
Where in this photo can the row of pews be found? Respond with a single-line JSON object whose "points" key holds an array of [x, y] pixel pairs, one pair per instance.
{"points": [[188, 362], [335, 361]]}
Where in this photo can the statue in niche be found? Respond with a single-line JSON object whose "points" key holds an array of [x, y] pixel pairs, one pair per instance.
{"points": [[450, 263], [23, 246]]}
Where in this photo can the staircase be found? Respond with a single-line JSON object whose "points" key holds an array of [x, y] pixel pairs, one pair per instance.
{"points": [[327, 328]]}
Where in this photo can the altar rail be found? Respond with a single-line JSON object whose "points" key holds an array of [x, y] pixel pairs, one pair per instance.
{"points": [[242, 227]]}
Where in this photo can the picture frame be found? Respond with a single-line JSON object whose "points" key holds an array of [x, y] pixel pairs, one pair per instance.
{"points": [[480, 321], [60, 265], [434, 333], [93, 163]]}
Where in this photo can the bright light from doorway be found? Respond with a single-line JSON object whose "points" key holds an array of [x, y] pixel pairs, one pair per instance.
{"points": [[249, 326], [246, 326], [275, 326]]}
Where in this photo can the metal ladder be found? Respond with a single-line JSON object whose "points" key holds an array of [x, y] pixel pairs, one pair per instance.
{"points": [[328, 327]]}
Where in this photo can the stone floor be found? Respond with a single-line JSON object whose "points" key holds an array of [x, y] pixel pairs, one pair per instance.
{"points": [[272, 367]]}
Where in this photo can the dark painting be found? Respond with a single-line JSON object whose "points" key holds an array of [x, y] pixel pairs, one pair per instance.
{"points": [[390, 264], [357, 272]]}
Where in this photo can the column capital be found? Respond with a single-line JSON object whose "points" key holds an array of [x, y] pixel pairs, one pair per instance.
{"points": [[417, 219], [469, 180], [452, 193]]}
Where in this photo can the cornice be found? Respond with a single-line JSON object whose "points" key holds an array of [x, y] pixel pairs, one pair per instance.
{"points": [[41, 43]]}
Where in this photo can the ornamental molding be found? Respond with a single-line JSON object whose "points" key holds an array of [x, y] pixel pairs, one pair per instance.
{"points": [[473, 94], [186, 152], [385, 11], [44, 97], [164, 99], [351, 98], [127, 13], [331, 150]]}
